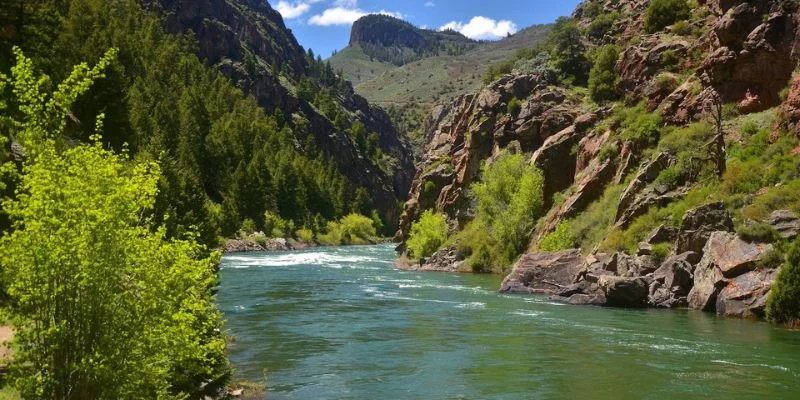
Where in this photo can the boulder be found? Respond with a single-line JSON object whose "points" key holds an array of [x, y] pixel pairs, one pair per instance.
{"points": [[633, 266], [624, 291], [746, 295], [725, 256], [672, 282], [786, 223], [446, 259], [543, 272], [699, 223], [675, 273]]}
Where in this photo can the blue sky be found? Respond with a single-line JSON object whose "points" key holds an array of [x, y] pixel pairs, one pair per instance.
{"points": [[324, 25]]}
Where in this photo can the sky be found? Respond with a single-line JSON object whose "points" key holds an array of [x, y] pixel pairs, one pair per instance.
{"points": [[324, 25]]}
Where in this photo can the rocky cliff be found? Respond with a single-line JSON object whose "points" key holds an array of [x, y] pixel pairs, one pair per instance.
{"points": [[731, 61], [248, 41], [398, 42]]}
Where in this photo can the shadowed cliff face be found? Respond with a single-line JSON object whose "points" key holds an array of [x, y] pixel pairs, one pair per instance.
{"points": [[248, 41]]}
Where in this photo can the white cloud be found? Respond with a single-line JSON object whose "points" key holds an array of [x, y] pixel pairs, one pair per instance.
{"points": [[344, 16], [290, 11], [346, 3], [482, 28], [430, 4]]}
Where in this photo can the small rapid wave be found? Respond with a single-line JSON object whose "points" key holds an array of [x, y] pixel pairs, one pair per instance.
{"points": [[762, 365], [326, 259]]}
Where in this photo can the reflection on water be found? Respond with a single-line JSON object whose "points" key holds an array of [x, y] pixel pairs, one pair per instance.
{"points": [[341, 323]]}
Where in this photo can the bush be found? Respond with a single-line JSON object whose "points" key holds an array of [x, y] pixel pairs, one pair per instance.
{"points": [[640, 126], [352, 229], [661, 251], [106, 306], [682, 28], [304, 235], [248, 228], [514, 106], [427, 234], [663, 13], [602, 25], [608, 152], [592, 9], [277, 227], [560, 239], [509, 200], [783, 305], [670, 60], [760, 233], [772, 258], [603, 76]]}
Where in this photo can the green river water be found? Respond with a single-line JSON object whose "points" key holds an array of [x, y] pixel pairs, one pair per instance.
{"points": [[342, 323]]}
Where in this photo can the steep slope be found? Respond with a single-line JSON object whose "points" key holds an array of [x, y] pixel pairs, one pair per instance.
{"points": [[240, 118], [248, 42], [681, 139]]}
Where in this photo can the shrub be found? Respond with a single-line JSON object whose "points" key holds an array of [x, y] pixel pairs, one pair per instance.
{"points": [[248, 227], [352, 229], [603, 76], [760, 232], [514, 106], [427, 234], [106, 306], [663, 13], [277, 227], [772, 258], [592, 9], [602, 25], [668, 177], [783, 305], [608, 152], [590, 227], [481, 261], [682, 28], [670, 60], [661, 251], [304, 235], [559, 239], [509, 200], [639, 125]]}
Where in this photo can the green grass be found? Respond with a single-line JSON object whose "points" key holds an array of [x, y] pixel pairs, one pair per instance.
{"points": [[356, 66]]}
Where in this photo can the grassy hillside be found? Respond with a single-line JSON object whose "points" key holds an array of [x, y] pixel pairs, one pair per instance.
{"points": [[433, 79], [357, 66]]}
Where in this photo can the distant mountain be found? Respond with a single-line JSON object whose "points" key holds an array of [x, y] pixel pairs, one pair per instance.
{"points": [[392, 40], [408, 91]]}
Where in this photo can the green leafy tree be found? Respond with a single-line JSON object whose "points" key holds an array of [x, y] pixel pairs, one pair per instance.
{"points": [[663, 13], [509, 199], [105, 306], [560, 239], [603, 76], [427, 234], [783, 305], [565, 45]]}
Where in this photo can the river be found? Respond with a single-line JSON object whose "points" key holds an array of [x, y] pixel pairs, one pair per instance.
{"points": [[342, 323]]}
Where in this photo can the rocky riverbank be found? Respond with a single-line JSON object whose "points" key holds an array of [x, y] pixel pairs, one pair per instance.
{"points": [[713, 269]]}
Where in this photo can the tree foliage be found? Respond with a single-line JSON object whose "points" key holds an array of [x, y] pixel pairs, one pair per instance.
{"points": [[783, 305], [509, 200], [663, 13], [223, 159], [566, 47], [427, 234], [603, 75], [106, 306]]}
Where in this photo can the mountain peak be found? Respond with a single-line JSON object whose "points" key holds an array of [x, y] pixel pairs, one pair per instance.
{"points": [[399, 42]]}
